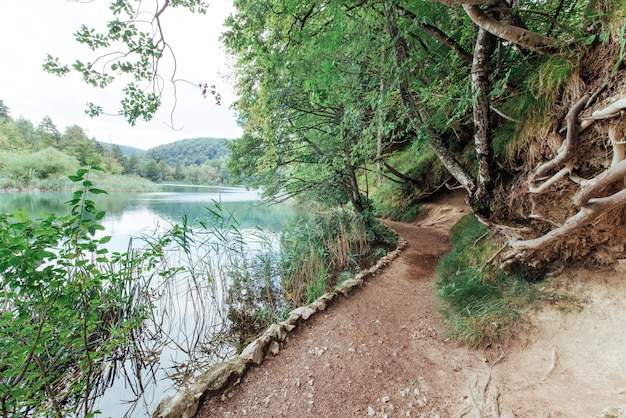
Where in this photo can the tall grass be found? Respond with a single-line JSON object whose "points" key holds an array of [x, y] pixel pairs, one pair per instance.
{"points": [[480, 303], [316, 251]]}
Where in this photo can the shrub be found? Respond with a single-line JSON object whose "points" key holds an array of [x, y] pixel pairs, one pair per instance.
{"points": [[70, 311], [28, 168], [317, 250]]}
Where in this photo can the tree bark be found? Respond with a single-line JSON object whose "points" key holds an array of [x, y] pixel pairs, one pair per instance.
{"points": [[444, 155], [485, 45], [514, 34]]}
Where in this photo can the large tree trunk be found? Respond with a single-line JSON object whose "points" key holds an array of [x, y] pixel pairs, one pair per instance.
{"points": [[485, 45], [436, 143]]}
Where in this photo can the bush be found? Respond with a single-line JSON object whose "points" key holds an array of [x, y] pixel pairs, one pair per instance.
{"points": [[71, 311], [317, 250], [26, 169]]}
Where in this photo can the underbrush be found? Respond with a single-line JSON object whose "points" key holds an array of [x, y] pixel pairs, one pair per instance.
{"points": [[319, 251], [399, 200], [480, 303], [73, 314]]}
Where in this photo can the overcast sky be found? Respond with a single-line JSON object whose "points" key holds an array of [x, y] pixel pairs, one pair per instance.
{"points": [[30, 29]]}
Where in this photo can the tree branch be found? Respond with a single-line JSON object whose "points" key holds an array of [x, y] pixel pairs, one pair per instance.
{"points": [[514, 34]]}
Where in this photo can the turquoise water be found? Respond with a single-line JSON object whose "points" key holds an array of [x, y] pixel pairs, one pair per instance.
{"points": [[192, 309]]}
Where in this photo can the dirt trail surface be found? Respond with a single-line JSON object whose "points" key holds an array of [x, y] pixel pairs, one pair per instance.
{"points": [[381, 352]]}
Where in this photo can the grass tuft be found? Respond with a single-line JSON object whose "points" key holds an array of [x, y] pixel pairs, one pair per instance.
{"points": [[480, 303]]}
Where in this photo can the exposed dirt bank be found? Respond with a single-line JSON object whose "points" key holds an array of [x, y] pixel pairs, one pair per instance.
{"points": [[382, 351]]}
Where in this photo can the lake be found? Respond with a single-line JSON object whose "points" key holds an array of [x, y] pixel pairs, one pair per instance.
{"points": [[133, 214]]}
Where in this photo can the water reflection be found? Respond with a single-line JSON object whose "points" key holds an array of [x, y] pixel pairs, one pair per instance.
{"points": [[191, 310]]}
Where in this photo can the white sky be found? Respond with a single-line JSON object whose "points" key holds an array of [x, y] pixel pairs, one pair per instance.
{"points": [[30, 29]]}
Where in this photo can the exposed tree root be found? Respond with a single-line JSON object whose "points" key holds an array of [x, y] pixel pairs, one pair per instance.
{"points": [[610, 111], [616, 136], [587, 214], [588, 198], [568, 148], [596, 185], [546, 185]]}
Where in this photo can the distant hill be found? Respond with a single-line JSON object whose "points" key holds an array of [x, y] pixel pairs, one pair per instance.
{"points": [[192, 151], [126, 150]]}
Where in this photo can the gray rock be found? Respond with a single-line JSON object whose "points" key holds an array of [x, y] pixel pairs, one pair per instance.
{"points": [[185, 404]]}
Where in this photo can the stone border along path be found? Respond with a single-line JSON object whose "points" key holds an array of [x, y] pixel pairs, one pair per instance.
{"points": [[223, 375]]}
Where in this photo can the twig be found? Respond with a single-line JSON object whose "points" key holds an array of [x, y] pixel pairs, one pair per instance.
{"points": [[504, 115], [595, 94], [480, 238], [493, 257]]}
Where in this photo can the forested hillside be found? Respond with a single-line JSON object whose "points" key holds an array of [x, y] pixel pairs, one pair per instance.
{"points": [[42, 156], [188, 152]]}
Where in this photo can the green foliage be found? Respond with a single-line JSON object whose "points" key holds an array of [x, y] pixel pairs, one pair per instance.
{"points": [[397, 200], [42, 157], [133, 47], [26, 169], [316, 251], [4, 110], [71, 310], [193, 151], [480, 303]]}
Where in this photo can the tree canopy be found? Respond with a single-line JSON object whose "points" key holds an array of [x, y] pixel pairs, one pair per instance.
{"points": [[331, 92]]}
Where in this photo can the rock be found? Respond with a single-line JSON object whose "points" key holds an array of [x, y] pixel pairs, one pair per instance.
{"points": [[274, 347], [370, 411], [185, 404], [286, 327], [318, 305], [303, 312], [277, 332], [254, 352]]}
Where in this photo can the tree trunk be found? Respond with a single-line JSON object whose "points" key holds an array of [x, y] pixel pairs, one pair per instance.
{"points": [[444, 155], [352, 184], [485, 45]]}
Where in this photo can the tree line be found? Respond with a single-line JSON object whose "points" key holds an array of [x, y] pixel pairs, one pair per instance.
{"points": [[32, 153]]}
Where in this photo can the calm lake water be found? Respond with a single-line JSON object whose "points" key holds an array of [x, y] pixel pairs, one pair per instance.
{"points": [[133, 214]]}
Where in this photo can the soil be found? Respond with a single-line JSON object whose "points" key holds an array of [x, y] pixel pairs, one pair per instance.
{"points": [[382, 350]]}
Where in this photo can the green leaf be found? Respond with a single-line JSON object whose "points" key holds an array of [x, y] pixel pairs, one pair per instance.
{"points": [[105, 239]]}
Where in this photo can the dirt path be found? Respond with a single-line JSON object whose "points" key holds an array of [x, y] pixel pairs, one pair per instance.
{"points": [[381, 352]]}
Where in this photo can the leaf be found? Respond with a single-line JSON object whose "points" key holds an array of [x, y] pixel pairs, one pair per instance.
{"points": [[97, 191], [105, 239]]}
